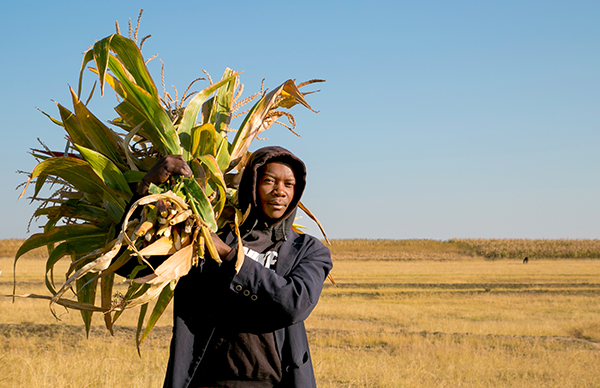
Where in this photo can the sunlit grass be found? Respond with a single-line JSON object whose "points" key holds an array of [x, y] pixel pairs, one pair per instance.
{"points": [[404, 315]]}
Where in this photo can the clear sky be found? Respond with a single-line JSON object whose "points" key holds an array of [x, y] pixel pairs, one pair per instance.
{"points": [[439, 119]]}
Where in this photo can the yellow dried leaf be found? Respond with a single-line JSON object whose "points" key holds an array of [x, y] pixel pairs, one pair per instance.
{"points": [[161, 247]]}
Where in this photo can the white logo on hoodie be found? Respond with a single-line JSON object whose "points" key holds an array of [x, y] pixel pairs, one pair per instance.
{"points": [[268, 259]]}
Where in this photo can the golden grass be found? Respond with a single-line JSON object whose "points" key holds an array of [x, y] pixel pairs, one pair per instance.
{"points": [[406, 314]]}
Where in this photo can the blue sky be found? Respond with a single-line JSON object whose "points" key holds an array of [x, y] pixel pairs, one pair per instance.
{"points": [[438, 119]]}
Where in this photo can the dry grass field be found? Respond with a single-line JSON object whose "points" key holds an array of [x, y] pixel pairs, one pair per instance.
{"points": [[410, 313]]}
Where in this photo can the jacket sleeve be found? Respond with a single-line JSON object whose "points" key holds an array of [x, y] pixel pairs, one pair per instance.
{"points": [[261, 300]]}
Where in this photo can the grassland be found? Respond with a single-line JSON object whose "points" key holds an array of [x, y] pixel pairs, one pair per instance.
{"points": [[412, 313]]}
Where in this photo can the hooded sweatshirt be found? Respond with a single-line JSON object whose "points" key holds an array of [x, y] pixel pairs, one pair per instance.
{"points": [[250, 359]]}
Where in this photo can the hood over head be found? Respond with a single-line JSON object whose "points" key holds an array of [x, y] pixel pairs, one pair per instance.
{"points": [[248, 188]]}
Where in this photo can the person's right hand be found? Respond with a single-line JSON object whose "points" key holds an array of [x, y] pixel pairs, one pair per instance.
{"points": [[161, 171]]}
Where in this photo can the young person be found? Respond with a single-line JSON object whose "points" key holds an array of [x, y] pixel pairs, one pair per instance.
{"points": [[246, 329]]}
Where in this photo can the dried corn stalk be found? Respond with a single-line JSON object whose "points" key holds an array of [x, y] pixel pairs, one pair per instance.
{"points": [[100, 163]]}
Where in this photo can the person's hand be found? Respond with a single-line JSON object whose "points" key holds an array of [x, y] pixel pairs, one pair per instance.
{"points": [[161, 171], [222, 249]]}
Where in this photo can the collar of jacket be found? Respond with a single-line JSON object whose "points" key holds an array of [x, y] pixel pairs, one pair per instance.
{"points": [[280, 230]]}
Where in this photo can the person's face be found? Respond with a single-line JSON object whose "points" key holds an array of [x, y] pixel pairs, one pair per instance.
{"points": [[276, 189]]}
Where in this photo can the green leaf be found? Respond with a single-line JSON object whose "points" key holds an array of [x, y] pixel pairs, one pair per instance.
{"points": [[106, 287], [134, 117], [79, 173], [87, 295], [222, 153], [140, 323], [150, 108], [74, 247], [217, 179], [134, 289], [204, 140], [101, 138], [222, 107], [55, 121], [131, 57], [200, 204], [132, 176], [60, 233], [71, 125], [74, 208], [190, 114], [106, 170], [101, 52], [87, 57], [159, 308], [115, 210]]}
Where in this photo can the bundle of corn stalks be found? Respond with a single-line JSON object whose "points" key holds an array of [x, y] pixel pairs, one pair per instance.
{"points": [[100, 163]]}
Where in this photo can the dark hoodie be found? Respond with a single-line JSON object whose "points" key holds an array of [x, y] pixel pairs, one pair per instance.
{"points": [[240, 359]]}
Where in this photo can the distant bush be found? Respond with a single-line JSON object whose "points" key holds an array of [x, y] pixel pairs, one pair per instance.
{"points": [[541, 248]]}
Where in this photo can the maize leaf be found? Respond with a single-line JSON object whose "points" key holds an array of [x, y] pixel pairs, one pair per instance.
{"points": [[237, 220], [161, 247], [152, 292], [103, 139], [73, 248], [106, 287], [79, 173], [61, 233], [159, 308], [106, 170], [101, 51], [218, 180], [150, 108], [222, 153], [174, 267], [85, 295], [210, 245], [312, 216], [73, 208], [221, 115], [125, 146], [257, 119], [131, 57], [99, 264], [134, 117], [200, 204], [55, 121], [88, 56], [68, 303], [133, 176], [71, 125], [190, 113], [140, 324], [203, 140]]}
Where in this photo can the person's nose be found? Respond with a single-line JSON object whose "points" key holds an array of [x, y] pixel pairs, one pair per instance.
{"points": [[278, 190]]}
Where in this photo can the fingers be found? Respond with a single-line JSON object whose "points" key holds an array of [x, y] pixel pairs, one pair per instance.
{"points": [[165, 167], [175, 165]]}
